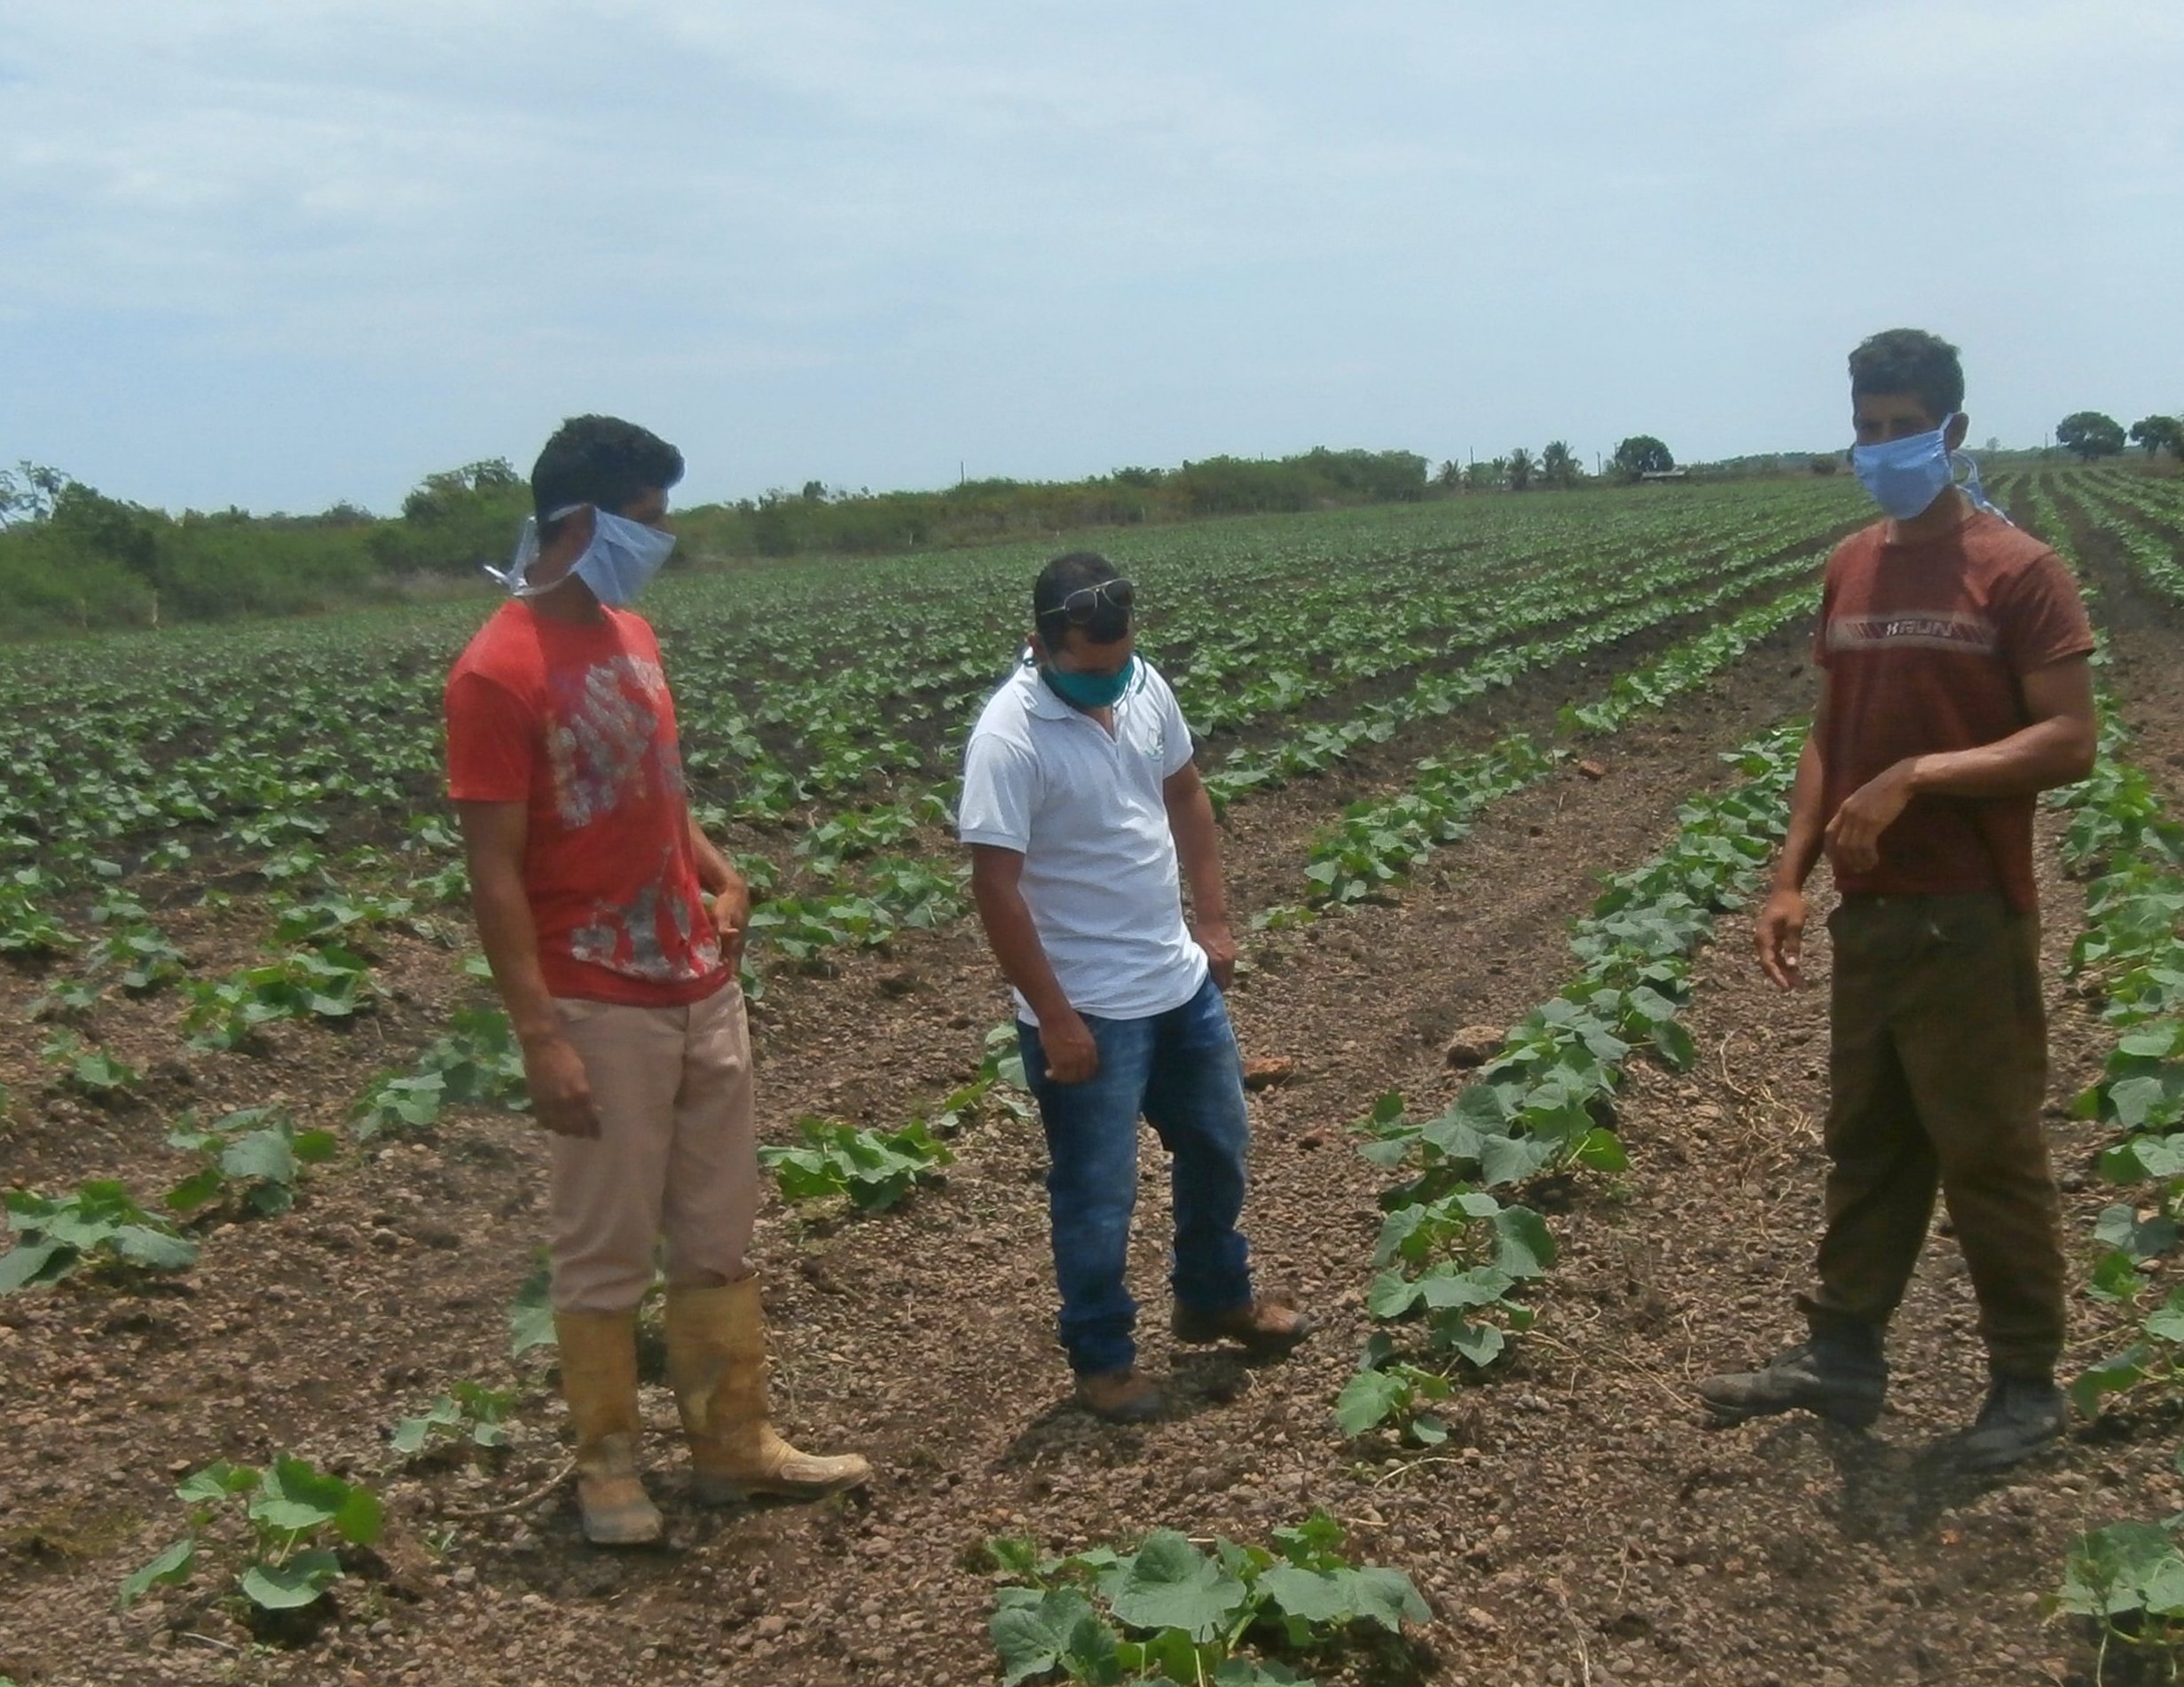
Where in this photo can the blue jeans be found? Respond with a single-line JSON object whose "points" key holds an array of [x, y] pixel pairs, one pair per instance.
{"points": [[1182, 1071]]}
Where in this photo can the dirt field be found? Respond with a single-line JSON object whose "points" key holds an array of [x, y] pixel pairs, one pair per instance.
{"points": [[1584, 1525]]}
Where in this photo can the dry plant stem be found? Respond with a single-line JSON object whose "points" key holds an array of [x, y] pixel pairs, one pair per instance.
{"points": [[530, 1497]]}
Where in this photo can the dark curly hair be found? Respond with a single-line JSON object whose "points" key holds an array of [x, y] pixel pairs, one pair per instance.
{"points": [[1910, 360], [600, 460]]}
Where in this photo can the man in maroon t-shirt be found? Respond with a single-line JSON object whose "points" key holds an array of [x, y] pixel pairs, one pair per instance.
{"points": [[590, 881], [1954, 688]]}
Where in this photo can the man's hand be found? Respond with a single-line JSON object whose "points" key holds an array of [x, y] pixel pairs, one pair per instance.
{"points": [[732, 922], [1073, 1058], [1853, 837], [561, 1093], [1780, 931], [1213, 936]]}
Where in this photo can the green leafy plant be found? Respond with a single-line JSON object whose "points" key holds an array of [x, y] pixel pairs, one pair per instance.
{"points": [[328, 982], [346, 915], [2128, 1580], [531, 1314], [1170, 1613], [97, 1228], [874, 1170], [477, 1061], [284, 1555], [140, 956], [253, 1158], [469, 1414], [27, 929], [2156, 1357], [86, 1068]]}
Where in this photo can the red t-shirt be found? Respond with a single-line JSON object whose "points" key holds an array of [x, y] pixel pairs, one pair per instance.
{"points": [[575, 722], [1925, 648]]}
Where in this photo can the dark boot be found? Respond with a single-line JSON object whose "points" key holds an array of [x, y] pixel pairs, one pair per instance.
{"points": [[1839, 1372], [2022, 1414]]}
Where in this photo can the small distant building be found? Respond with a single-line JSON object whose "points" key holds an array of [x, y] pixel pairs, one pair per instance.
{"points": [[1665, 475]]}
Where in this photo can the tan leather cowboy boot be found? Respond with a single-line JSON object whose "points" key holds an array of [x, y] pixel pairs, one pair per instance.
{"points": [[716, 1359], [599, 1380]]}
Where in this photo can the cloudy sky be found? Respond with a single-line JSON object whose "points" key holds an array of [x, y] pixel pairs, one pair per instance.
{"points": [[279, 252]]}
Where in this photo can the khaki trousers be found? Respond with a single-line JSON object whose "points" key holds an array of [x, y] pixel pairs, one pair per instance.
{"points": [[1939, 1067], [675, 1155]]}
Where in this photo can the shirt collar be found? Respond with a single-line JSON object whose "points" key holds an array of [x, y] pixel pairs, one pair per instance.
{"points": [[1040, 697]]}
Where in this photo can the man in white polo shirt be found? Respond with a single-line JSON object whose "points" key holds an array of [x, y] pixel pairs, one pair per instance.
{"points": [[1079, 802]]}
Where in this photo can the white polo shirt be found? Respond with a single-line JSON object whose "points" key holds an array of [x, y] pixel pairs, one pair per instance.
{"points": [[1086, 812]]}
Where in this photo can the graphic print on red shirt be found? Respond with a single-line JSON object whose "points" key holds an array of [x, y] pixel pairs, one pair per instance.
{"points": [[575, 721], [1925, 648]]}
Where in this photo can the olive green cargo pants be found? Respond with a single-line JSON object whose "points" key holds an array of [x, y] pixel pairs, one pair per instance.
{"points": [[1938, 1068]]}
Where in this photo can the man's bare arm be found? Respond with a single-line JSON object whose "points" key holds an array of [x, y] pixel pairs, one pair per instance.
{"points": [[2056, 749], [494, 837], [1198, 848], [718, 877], [1778, 931]]}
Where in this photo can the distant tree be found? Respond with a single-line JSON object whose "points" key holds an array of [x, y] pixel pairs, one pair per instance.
{"points": [[454, 491], [770, 530], [814, 491], [2154, 432], [2090, 434], [1558, 467], [29, 493], [93, 525], [1642, 454], [1517, 469], [1449, 476], [454, 520], [1478, 476]]}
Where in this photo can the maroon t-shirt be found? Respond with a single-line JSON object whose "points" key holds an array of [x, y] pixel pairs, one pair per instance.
{"points": [[1925, 648]]}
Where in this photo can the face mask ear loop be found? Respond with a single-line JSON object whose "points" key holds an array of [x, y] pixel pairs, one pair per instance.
{"points": [[519, 560], [1970, 484]]}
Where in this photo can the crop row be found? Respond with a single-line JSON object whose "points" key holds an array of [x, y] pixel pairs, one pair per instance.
{"points": [[114, 741], [1453, 1259], [2130, 1576], [1377, 842]]}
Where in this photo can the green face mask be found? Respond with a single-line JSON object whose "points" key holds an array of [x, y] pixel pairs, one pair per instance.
{"points": [[1088, 690]]}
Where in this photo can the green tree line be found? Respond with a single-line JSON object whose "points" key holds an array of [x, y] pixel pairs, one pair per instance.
{"points": [[73, 558]]}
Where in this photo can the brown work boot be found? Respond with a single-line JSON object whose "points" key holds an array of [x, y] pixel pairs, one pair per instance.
{"points": [[599, 1380], [716, 1360], [1125, 1396], [1268, 1326]]}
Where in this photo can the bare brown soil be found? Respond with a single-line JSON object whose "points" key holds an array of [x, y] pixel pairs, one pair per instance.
{"points": [[1584, 1527]]}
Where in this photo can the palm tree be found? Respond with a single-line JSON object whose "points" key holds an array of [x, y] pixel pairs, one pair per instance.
{"points": [[1517, 467], [1556, 467]]}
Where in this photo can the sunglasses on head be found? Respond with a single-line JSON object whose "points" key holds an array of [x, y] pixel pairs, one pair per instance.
{"points": [[1081, 606]]}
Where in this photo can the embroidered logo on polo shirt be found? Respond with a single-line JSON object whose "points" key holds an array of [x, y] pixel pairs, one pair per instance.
{"points": [[1961, 630]]}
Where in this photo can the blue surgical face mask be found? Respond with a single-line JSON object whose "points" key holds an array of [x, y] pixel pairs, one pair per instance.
{"points": [[1088, 690], [617, 565], [1905, 477]]}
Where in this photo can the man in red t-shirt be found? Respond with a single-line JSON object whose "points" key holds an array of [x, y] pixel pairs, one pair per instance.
{"points": [[590, 881], [1954, 688]]}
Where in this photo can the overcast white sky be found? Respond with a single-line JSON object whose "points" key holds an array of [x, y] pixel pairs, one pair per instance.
{"points": [[277, 253]]}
